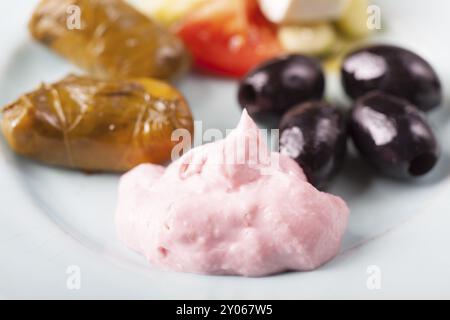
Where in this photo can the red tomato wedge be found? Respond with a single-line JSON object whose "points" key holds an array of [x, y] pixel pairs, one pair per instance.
{"points": [[229, 37]]}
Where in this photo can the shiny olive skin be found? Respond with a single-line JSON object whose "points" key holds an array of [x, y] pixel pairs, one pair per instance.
{"points": [[314, 134], [393, 70], [280, 84], [392, 135]]}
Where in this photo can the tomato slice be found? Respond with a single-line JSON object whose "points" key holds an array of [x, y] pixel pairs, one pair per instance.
{"points": [[229, 37]]}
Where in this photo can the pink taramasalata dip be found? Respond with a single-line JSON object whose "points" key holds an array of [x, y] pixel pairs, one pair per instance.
{"points": [[232, 208]]}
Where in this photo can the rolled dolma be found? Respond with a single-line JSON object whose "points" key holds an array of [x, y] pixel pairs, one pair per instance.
{"points": [[111, 39], [97, 125]]}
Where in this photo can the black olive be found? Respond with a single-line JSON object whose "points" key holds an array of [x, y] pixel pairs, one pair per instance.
{"points": [[393, 135], [393, 70], [280, 84], [314, 134]]}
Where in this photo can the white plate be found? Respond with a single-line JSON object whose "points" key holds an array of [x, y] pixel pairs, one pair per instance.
{"points": [[51, 219]]}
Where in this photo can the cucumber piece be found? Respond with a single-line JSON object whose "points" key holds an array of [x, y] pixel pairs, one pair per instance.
{"points": [[314, 39], [353, 22], [166, 12]]}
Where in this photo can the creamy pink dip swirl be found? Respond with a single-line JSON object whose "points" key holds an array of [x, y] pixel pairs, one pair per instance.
{"points": [[231, 208]]}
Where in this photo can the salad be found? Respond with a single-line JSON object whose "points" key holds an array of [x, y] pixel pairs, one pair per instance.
{"points": [[231, 37]]}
